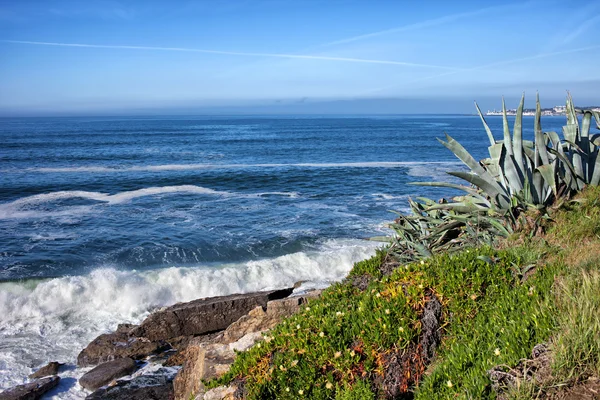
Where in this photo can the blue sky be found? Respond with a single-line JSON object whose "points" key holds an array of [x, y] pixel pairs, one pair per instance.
{"points": [[85, 57]]}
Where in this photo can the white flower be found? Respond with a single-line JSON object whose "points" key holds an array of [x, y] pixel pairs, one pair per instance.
{"points": [[449, 383], [307, 308], [322, 334], [497, 352], [387, 310], [401, 329], [297, 326], [329, 385], [337, 354], [300, 392], [422, 262], [378, 295], [287, 389]]}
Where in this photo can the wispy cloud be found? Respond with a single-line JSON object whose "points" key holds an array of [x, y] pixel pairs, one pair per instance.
{"points": [[234, 53], [428, 23], [492, 65]]}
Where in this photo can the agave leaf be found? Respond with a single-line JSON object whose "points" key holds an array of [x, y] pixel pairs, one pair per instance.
{"points": [[597, 118], [380, 239], [518, 136], [595, 179], [462, 154], [514, 179], [548, 172], [485, 125], [486, 186], [540, 147], [507, 139], [585, 144], [464, 188]]}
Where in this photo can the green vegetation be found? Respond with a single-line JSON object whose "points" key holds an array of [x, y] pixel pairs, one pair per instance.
{"points": [[367, 338]]}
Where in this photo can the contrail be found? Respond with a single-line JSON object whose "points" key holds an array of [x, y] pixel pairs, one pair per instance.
{"points": [[496, 64], [234, 53], [424, 24]]}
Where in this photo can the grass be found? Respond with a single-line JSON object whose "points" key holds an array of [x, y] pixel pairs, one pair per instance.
{"points": [[497, 304]]}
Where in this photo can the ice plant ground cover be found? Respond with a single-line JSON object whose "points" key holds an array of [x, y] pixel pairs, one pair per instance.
{"points": [[498, 303]]}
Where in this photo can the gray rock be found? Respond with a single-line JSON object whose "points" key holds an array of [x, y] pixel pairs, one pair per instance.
{"points": [[119, 344], [430, 331], [155, 386], [259, 319], [203, 316], [30, 391], [49, 369], [107, 372]]}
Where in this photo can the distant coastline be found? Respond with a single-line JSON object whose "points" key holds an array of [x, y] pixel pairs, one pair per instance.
{"points": [[554, 111]]}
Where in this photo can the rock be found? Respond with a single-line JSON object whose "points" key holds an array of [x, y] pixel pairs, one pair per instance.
{"points": [[30, 391], [154, 386], [221, 393], [107, 372], [49, 369], [206, 361], [259, 319], [430, 331], [119, 344], [203, 316]]}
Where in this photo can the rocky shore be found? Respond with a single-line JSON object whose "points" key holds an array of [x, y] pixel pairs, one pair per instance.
{"points": [[185, 343]]}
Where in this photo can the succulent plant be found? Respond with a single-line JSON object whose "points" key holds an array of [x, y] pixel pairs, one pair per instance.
{"points": [[521, 174]]}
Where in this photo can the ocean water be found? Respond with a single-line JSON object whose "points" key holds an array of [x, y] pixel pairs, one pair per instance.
{"points": [[104, 219]]}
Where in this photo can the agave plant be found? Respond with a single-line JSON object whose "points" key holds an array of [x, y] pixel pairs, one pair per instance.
{"points": [[431, 229], [521, 174]]}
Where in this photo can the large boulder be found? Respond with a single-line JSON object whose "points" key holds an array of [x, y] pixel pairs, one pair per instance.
{"points": [[30, 391], [47, 370], [204, 315], [105, 373], [119, 344], [157, 385], [261, 319]]}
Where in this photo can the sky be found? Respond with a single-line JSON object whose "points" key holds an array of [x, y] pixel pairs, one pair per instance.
{"points": [[290, 56]]}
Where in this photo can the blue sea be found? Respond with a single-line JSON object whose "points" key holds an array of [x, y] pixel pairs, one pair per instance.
{"points": [[104, 219]]}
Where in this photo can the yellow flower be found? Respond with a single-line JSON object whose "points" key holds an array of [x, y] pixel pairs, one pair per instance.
{"points": [[329, 385], [449, 383], [297, 326], [420, 286], [401, 329], [384, 326], [473, 296], [307, 308], [352, 353], [287, 389], [497, 352], [337, 354], [294, 363], [300, 392], [322, 334], [378, 295], [422, 262], [258, 345], [387, 310]]}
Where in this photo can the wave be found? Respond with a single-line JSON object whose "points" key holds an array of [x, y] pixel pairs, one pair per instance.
{"points": [[19, 209], [52, 320], [186, 167]]}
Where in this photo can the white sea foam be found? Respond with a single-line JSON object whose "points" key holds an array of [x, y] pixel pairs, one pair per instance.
{"points": [[26, 207], [184, 167], [53, 320]]}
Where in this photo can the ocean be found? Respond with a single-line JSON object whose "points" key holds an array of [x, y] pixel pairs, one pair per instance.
{"points": [[104, 219]]}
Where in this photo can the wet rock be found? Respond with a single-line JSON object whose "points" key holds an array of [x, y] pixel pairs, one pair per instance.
{"points": [[30, 391], [203, 316], [154, 386], [105, 373], [47, 370], [119, 344]]}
